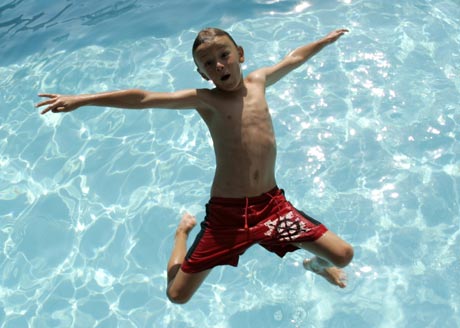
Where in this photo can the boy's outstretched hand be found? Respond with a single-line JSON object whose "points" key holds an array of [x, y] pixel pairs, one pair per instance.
{"points": [[58, 103], [335, 35]]}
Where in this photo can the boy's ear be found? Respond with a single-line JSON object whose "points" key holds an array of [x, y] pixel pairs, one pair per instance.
{"points": [[241, 53], [202, 74]]}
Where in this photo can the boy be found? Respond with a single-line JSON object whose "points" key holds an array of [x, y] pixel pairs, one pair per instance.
{"points": [[246, 206]]}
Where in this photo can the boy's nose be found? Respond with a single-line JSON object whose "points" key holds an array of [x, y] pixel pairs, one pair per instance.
{"points": [[219, 66]]}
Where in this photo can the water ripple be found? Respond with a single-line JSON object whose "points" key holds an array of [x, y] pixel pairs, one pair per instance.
{"points": [[368, 142]]}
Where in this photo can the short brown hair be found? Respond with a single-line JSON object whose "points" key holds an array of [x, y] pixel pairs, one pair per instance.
{"points": [[208, 34]]}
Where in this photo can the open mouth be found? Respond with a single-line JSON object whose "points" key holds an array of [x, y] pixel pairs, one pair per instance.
{"points": [[225, 77]]}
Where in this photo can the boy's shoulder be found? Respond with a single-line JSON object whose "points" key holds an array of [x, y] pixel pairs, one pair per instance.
{"points": [[257, 76], [209, 99]]}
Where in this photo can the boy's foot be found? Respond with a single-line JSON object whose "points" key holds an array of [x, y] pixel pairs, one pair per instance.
{"points": [[332, 274], [186, 224]]}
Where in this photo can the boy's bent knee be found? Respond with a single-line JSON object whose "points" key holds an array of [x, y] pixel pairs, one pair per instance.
{"points": [[177, 298], [344, 257]]}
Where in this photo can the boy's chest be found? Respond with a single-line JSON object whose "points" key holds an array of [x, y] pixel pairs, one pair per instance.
{"points": [[243, 115], [235, 115], [243, 109]]}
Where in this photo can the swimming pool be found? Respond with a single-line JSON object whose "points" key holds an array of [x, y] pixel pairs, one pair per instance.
{"points": [[368, 142]]}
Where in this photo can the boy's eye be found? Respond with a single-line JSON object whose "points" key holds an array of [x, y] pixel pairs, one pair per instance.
{"points": [[225, 54]]}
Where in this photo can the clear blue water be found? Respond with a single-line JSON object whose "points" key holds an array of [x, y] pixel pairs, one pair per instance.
{"points": [[368, 137]]}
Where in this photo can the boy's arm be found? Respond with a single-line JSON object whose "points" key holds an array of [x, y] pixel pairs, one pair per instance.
{"points": [[129, 99], [299, 56]]}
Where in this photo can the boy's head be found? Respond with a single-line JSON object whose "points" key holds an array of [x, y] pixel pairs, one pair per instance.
{"points": [[208, 35], [218, 58]]}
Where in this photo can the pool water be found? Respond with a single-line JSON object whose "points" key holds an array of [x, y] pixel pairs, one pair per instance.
{"points": [[368, 142]]}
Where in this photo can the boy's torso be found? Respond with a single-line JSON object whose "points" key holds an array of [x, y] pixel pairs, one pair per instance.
{"points": [[244, 142]]}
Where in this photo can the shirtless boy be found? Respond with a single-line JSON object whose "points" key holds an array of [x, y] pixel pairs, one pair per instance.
{"points": [[246, 207]]}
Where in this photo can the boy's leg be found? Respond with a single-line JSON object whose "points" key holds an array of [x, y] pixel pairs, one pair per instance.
{"points": [[181, 285], [332, 253]]}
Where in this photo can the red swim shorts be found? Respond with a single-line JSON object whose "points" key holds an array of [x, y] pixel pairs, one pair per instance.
{"points": [[232, 225]]}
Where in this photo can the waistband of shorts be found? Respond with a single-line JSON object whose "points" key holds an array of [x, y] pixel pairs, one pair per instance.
{"points": [[263, 198]]}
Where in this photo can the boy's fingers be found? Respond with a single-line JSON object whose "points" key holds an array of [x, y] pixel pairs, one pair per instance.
{"points": [[341, 31], [54, 108], [46, 110], [49, 95], [52, 97], [46, 102]]}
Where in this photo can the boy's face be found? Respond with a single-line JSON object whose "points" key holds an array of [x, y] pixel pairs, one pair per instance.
{"points": [[219, 61]]}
